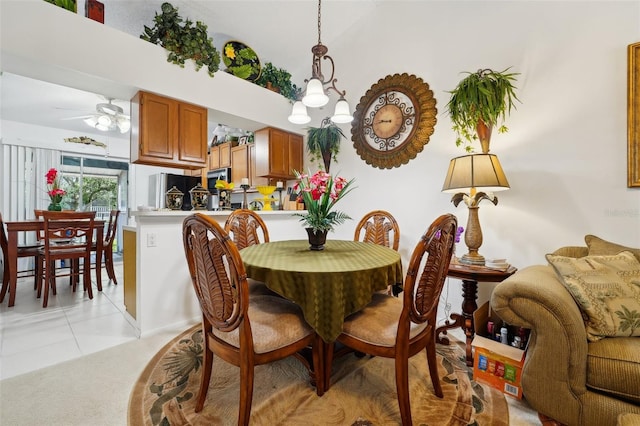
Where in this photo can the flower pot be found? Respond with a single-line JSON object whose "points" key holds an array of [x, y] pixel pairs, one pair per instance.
{"points": [[317, 239], [484, 135], [55, 207]]}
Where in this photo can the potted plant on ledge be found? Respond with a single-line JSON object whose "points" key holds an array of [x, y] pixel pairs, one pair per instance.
{"points": [[478, 103], [182, 41], [278, 80]]}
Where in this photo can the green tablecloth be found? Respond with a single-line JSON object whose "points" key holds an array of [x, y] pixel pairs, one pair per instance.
{"points": [[328, 285]]}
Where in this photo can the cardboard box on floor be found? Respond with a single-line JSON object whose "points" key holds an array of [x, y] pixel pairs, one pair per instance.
{"points": [[494, 363]]}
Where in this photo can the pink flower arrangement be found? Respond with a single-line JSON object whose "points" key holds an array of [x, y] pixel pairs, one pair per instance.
{"points": [[320, 193], [53, 183]]}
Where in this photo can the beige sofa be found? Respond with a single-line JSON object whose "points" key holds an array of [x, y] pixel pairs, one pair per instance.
{"points": [[565, 376]]}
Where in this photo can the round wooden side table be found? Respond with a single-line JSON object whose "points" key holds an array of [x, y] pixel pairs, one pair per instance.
{"points": [[470, 276]]}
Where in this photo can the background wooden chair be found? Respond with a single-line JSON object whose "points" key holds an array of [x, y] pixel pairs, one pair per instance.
{"points": [[107, 246], [67, 235], [242, 332], [380, 227], [399, 328], [25, 250], [246, 228]]}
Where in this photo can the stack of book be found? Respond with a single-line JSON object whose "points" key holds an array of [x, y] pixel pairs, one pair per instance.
{"points": [[498, 264]]}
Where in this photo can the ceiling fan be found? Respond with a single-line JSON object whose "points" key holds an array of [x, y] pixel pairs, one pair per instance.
{"points": [[108, 117]]}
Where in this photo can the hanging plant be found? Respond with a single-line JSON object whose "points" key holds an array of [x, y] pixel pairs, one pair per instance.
{"points": [[478, 103], [323, 143], [183, 41]]}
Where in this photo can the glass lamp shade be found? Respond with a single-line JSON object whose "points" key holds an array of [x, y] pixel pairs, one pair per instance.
{"points": [[479, 171], [104, 120], [342, 113], [299, 114], [123, 125], [315, 96]]}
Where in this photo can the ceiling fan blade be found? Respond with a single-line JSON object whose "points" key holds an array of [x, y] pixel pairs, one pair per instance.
{"points": [[77, 117]]}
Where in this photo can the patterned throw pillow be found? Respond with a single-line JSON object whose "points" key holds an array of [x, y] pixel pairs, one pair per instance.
{"points": [[598, 247], [607, 290]]}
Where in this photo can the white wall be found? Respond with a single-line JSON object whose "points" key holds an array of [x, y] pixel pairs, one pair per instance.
{"points": [[565, 154]]}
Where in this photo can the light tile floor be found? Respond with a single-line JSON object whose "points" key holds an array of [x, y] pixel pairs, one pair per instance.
{"points": [[33, 337]]}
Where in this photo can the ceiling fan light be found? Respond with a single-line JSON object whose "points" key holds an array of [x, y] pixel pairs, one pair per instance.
{"points": [[105, 121], [124, 125], [342, 113], [315, 96], [299, 114], [102, 127]]}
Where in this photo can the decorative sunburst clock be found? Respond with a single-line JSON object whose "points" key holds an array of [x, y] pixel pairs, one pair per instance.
{"points": [[393, 121]]}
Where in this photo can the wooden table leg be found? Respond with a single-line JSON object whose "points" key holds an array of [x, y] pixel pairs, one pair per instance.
{"points": [[469, 306], [464, 320]]}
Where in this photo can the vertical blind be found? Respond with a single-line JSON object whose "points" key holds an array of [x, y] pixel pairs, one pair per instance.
{"points": [[23, 181]]}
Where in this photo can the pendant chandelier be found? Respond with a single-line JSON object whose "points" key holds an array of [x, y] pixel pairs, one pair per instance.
{"points": [[316, 95]]}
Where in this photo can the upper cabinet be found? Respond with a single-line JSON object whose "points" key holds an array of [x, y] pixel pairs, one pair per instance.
{"points": [[278, 153], [167, 132]]}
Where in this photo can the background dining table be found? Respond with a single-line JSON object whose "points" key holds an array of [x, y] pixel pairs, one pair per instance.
{"points": [[35, 225]]}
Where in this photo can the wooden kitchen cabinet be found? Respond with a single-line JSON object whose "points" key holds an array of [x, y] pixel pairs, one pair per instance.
{"points": [[220, 156], [167, 132], [240, 165], [278, 153]]}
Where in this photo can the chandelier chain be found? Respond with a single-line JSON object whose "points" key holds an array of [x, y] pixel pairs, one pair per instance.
{"points": [[319, 18]]}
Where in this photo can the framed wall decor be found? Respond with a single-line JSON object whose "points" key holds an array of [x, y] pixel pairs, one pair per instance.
{"points": [[633, 115], [242, 140]]}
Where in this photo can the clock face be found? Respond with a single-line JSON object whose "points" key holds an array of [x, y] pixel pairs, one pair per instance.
{"points": [[387, 121], [393, 121]]}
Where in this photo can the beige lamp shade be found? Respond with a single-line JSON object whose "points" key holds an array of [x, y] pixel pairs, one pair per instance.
{"points": [[480, 171]]}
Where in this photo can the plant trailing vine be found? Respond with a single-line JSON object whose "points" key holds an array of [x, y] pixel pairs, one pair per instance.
{"points": [[183, 41], [279, 79], [323, 143], [484, 97]]}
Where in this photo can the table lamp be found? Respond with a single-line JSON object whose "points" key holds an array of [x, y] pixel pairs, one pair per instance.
{"points": [[467, 175]]}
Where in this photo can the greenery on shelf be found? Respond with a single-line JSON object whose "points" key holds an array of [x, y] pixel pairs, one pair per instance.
{"points": [[482, 98], [65, 4], [280, 79], [323, 143], [183, 41], [241, 60]]}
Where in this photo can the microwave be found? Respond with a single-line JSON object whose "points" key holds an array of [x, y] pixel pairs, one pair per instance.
{"points": [[215, 175]]}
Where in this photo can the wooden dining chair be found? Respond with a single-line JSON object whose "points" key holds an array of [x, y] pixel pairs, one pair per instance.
{"points": [[246, 228], [380, 227], [399, 328], [107, 247], [243, 332], [68, 235], [24, 250]]}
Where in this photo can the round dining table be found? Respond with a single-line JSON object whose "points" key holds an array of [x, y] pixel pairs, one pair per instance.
{"points": [[328, 285]]}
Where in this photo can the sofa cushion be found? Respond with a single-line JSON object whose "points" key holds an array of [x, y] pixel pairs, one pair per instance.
{"points": [[613, 366], [607, 290], [598, 247]]}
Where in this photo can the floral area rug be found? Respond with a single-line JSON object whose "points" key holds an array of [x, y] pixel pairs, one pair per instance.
{"points": [[362, 392]]}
